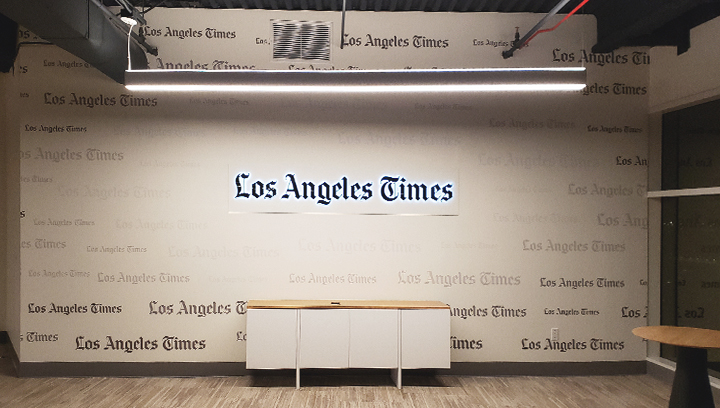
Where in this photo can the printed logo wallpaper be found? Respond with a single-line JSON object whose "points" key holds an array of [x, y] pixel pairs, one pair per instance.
{"points": [[150, 219]]}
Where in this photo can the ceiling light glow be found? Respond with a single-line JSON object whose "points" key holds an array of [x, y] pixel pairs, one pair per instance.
{"points": [[358, 81]]}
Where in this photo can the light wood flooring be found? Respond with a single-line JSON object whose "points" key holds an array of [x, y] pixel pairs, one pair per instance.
{"points": [[330, 388]]}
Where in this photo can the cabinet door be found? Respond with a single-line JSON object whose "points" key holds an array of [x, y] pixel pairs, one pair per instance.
{"points": [[374, 338], [425, 338], [271, 338], [324, 338]]}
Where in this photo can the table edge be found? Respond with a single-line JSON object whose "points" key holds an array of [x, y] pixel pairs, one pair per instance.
{"points": [[345, 304]]}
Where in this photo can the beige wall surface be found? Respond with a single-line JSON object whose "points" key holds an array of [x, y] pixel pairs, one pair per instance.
{"points": [[689, 78], [10, 209], [3, 202], [151, 219]]}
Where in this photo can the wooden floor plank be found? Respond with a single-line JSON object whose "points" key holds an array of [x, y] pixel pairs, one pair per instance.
{"points": [[331, 390]]}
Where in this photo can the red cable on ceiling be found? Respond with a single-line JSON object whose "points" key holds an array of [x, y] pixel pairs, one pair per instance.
{"points": [[556, 25]]}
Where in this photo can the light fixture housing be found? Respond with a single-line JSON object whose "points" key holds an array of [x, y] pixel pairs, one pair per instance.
{"points": [[128, 18], [367, 81]]}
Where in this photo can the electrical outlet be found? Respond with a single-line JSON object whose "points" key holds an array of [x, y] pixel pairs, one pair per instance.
{"points": [[555, 334]]}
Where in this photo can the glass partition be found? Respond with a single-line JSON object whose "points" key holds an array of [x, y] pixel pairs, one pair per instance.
{"points": [[690, 253], [690, 271]]}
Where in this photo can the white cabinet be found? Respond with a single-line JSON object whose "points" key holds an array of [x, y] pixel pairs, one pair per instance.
{"points": [[324, 338], [348, 334], [374, 338], [273, 342], [426, 338]]}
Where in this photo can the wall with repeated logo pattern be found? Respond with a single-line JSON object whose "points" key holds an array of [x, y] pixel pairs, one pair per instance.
{"points": [[148, 220]]}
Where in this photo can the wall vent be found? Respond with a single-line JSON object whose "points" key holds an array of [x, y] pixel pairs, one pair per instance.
{"points": [[303, 40]]}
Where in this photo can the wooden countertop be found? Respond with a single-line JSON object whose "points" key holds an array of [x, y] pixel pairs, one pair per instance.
{"points": [[680, 336], [345, 304]]}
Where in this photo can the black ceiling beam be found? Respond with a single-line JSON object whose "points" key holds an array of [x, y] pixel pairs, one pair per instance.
{"points": [[627, 23], [677, 31], [8, 43], [82, 27]]}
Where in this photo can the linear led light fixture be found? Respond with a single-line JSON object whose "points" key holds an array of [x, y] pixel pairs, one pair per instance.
{"points": [[367, 81]]}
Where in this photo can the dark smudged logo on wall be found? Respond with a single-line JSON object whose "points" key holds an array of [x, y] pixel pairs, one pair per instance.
{"points": [[389, 189], [96, 100], [168, 343]]}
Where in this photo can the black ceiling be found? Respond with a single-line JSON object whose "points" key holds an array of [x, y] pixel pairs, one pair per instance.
{"points": [[92, 32], [504, 6], [620, 22]]}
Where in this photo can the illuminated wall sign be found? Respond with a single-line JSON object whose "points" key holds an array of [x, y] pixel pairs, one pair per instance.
{"points": [[384, 194]]}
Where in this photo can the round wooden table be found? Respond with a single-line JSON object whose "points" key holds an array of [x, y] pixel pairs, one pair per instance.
{"points": [[691, 385]]}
